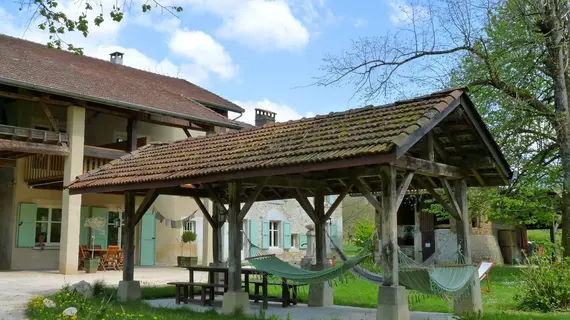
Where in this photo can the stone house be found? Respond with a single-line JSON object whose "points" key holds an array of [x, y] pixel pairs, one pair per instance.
{"points": [[62, 115]]}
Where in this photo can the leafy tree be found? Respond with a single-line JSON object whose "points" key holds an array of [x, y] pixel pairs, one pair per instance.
{"points": [[512, 54], [53, 18], [355, 209]]}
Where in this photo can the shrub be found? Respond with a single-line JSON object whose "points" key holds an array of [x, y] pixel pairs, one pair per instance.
{"points": [[363, 233], [544, 285]]}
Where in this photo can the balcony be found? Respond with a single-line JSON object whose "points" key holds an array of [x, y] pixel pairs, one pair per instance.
{"points": [[46, 171]]}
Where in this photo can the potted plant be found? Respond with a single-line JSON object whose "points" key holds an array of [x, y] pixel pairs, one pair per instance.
{"points": [[185, 261], [95, 224]]}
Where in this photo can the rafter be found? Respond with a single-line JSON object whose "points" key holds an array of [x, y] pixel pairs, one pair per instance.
{"points": [[403, 188], [205, 212], [366, 193], [337, 201], [148, 200], [252, 199]]}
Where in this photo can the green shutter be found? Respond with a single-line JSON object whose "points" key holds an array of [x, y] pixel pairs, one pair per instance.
{"points": [[100, 236], [265, 234], [303, 241], [286, 235], [334, 234], [253, 226], [27, 225], [83, 234]]}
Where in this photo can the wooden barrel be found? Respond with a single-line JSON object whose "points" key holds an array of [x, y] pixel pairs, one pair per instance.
{"points": [[507, 245]]}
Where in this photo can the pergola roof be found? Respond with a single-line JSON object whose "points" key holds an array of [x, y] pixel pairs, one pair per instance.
{"points": [[319, 151]]}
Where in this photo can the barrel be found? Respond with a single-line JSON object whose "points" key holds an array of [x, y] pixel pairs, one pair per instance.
{"points": [[507, 245]]}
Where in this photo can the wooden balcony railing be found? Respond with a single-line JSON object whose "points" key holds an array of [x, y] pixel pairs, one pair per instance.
{"points": [[44, 168]]}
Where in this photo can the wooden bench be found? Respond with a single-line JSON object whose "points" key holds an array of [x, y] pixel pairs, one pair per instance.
{"points": [[289, 294], [185, 290]]}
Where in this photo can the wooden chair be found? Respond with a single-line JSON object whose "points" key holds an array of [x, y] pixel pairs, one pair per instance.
{"points": [[97, 246], [120, 260], [109, 259], [483, 269], [82, 256]]}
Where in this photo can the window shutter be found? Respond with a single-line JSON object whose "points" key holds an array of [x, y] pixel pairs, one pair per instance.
{"points": [[286, 235], [83, 234], [101, 236], [27, 225], [265, 234], [253, 228], [303, 241], [333, 234]]}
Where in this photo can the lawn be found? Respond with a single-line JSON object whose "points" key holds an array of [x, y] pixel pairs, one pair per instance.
{"points": [[352, 291]]}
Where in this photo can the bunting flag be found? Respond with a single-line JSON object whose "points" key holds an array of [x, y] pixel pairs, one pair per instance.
{"points": [[175, 224]]}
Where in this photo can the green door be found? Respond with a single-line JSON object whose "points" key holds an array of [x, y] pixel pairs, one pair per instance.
{"points": [[148, 240]]}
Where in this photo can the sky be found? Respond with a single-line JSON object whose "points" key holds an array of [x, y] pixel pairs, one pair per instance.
{"points": [[256, 53]]}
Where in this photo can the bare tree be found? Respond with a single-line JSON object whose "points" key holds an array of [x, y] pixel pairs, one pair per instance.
{"points": [[515, 51]]}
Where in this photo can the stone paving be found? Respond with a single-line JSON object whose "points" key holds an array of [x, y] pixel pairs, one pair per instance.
{"points": [[303, 312], [17, 287]]}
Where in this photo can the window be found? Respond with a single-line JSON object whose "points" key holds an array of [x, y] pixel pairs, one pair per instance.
{"points": [[273, 233], [115, 222], [189, 226], [295, 240], [48, 226]]}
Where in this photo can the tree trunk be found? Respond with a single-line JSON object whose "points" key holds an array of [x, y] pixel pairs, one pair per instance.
{"points": [[552, 28]]}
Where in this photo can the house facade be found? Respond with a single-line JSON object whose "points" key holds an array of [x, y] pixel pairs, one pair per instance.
{"points": [[62, 115]]}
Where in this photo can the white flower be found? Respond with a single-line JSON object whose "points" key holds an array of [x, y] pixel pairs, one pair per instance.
{"points": [[48, 303], [71, 311]]}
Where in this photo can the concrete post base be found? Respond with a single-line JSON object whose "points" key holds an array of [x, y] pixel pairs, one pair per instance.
{"points": [[235, 303], [320, 295], [129, 291], [392, 304], [469, 301]]}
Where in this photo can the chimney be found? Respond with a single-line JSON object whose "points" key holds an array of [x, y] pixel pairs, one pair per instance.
{"points": [[117, 57], [263, 117]]}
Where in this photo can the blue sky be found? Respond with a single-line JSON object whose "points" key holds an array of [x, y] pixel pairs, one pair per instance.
{"points": [[254, 52]]}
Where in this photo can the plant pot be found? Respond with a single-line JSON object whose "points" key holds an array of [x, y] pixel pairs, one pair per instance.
{"points": [[185, 262], [91, 265]]}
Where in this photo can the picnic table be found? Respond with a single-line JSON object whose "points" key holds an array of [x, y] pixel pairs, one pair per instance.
{"points": [[289, 290]]}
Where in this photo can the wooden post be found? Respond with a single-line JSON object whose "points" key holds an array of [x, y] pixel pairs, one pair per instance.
{"points": [[129, 289], [234, 256], [235, 299], [217, 235], [320, 295], [471, 300], [389, 228], [392, 298], [129, 238]]}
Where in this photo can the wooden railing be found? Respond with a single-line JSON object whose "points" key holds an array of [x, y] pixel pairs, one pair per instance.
{"points": [[43, 168]]}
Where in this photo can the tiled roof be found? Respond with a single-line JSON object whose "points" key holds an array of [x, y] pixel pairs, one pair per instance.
{"points": [[34, 66], [343, 135]]}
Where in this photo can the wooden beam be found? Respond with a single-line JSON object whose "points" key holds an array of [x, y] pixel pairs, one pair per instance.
{"points": [[205, 212], [44, 136], [33, 147], [440, 150], [251, 200], [287, 182], [430, 155], [102, 153], [456, 210], [8, 163], [132, 128], [337, 201], [403, 188], [306, 205], [148, 200], [188, 135], [438, 198], [49, 116], [429, 168], [129, 238], [234, 236], [366, 193], [478, 177], [215, 199]]}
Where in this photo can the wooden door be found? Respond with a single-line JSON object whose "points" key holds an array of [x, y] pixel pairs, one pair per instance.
{"points": [[427, 228]]}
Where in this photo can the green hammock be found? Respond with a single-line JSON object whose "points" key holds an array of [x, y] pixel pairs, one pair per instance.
{"points": [[277, 267]]}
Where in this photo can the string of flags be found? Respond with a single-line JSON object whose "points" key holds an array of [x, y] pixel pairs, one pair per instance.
{"points": [[175, 224]]}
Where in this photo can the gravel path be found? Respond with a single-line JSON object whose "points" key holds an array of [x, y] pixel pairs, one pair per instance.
{"points": [[18, 287]]}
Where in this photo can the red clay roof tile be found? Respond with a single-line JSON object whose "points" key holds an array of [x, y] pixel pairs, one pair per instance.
{"points": [[32, 65]]}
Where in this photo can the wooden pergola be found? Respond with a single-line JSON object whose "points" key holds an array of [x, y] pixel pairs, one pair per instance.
{"points": [[432, 142]]}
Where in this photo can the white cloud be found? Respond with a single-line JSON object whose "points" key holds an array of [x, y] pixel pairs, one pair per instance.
{"points": [[284, 112], [403, 12], [265, 25], [359, 22], [204, 51]]}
